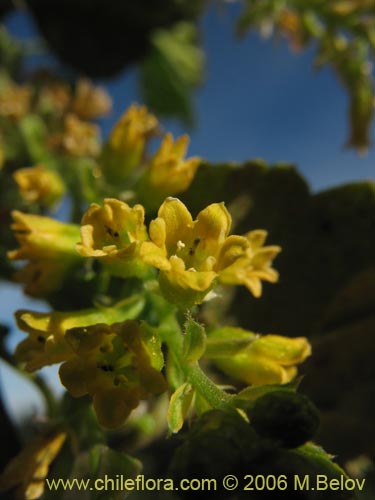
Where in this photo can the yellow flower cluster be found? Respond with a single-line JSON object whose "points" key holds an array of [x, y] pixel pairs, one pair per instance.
{"points": [[117, 365], [190, 255], [165, 173], [46, 343]]}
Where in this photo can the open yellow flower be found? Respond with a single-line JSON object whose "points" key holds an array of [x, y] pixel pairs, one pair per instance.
{"points": [[250, 264], [117, 365], [113, 233], [257, 359], [46, 344], [192, 255], [49, 246], [39, 184], [126, 144], [168, 172], [186, 251]]}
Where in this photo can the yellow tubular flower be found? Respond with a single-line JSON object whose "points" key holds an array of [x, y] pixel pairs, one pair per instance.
{"points": [[90, 102], [46, 344], [252, 266], [113, 233], [49, 246], [126, 144], [267, 359], [186, 251], [117, 365], [168, 172], [38, 184]]}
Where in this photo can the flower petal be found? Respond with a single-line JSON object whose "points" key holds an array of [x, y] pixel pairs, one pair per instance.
{"points": [[114, 406], [153, 255], [72, 376], [285, 350], [232, 248], [213, 224], [178, 222]]}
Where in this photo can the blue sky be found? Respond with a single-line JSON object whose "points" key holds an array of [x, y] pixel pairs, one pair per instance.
{"points": [[258, 100]]}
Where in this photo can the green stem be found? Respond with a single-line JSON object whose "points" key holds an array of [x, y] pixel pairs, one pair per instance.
{"points": [[216, 397], [208, 389]]}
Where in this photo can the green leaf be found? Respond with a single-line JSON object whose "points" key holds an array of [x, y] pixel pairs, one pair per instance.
{"points": [[194, 341], [179, 405], [171, 71]]}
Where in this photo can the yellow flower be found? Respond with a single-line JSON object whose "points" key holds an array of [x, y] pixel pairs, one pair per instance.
{"points": [[256, 359], [186, 251], [49, 246], [126, 144], [250, 266], [90, 102], [54, 98], [168, 172], [117, 365], [192, 255], [28, 470], [38, 184], [78, 138], [113, 233], [46, 344], [15, 101]]}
